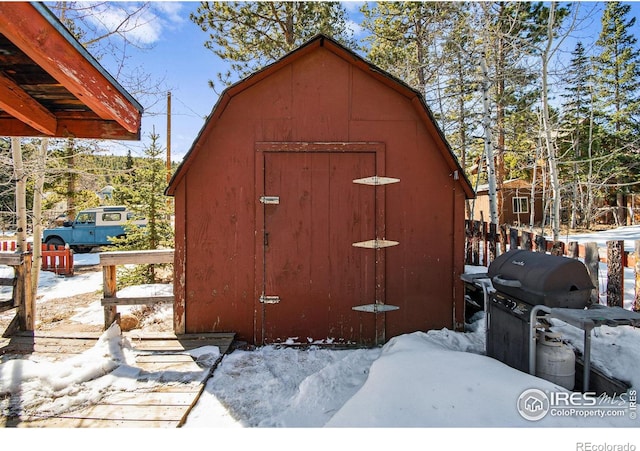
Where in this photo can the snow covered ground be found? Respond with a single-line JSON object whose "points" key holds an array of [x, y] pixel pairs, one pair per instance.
{"points": [[410, 393]]}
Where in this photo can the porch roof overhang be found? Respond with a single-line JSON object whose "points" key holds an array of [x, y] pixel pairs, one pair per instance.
{"points": [[50, 86]]}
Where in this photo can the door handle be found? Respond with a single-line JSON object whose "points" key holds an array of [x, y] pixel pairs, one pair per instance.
{"points": [[266, 238]]}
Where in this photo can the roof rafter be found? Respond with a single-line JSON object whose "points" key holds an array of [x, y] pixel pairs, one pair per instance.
{"points": [[15, 101], [37, 44]]}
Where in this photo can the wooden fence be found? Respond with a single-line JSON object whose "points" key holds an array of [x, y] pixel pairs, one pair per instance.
{"points": [[109, 262], [484, 242]]}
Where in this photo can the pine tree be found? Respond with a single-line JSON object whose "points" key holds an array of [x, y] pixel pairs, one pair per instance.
{"points": [[148, 201], [618, 87], [250, 35], [618, 73], [579, 138]]}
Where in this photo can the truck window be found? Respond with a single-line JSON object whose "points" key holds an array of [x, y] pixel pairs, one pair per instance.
{"points": [[111, 217], [86, 218]]}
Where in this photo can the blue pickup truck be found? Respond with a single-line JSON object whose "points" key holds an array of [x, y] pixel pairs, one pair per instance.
{"points": [[92, 228]]}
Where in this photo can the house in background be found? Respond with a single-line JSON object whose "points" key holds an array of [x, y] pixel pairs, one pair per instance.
{"points": [[320, 203], [516, 203]]}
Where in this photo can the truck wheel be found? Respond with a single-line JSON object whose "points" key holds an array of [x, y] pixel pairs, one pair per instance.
{"points": [[55, 241]]}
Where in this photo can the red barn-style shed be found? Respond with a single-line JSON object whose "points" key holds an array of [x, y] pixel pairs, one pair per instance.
{"points": [[319, 203]]}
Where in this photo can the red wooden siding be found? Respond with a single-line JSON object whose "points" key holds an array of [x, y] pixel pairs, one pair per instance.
{"points": [[303, 130]]}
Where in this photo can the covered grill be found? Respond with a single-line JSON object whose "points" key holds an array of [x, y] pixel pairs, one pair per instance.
{"points": [[538, 278], [521, 280]]}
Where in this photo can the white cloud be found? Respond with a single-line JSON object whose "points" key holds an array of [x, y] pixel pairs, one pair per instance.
{"points": [[171, 12], [141, 24], [352, 6], [355, 28]]}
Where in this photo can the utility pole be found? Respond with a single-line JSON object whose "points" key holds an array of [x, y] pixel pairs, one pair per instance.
{"points": [[168, 136]]}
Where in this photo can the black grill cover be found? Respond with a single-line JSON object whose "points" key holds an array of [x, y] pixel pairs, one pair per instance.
{"points": [[539, 278]]}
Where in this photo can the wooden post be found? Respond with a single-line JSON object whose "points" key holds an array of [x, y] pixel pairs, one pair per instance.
{"points": [[541, 243], [476, 243], [109, 289], [492, 240], [468, 224], [503, 238], [573, 249], [23, 296], [557, 248], [513, 238], [615, 273], [527, 240], [485, 247], [592, 262]]}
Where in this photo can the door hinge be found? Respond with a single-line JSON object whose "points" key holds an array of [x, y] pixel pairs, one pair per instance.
{"points": [[264, 299], [375, 308], [272, 200], [376, 181], [376, 244]]}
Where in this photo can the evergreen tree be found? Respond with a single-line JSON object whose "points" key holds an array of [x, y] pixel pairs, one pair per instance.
{"points": [[436, 48], [618, 72], [148, 201], [618, 88], [579, 142], [250, 35]]}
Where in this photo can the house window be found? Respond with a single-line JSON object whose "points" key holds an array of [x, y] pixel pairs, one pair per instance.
{"points": [[520, 205]]}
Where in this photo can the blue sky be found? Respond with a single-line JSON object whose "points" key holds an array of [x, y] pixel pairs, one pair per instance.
{"points": [[178, 57]]}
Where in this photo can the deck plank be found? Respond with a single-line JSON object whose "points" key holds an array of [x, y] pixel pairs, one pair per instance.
{"points": [[164, 406]]}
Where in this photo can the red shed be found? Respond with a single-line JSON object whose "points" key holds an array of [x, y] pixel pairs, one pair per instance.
{"points": [[319, 203]]}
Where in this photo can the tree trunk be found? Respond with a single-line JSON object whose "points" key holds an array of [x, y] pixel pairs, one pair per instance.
{"points": [[41, 165], [21, 195], [71, 179], [549, 143], [488, 145]]}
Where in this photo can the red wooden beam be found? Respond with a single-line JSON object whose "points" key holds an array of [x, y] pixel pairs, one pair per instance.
{"points": [[85, 125], [15, 101], [50, 46]]}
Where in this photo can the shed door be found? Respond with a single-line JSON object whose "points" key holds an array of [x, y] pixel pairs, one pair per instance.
{"points": [[310, 262]]}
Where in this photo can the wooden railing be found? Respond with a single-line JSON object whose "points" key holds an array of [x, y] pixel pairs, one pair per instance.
{"points": [[109, 262], [485, 241], [21, 298]]}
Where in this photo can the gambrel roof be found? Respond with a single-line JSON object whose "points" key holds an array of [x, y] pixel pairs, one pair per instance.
{"points": [[322, 41]]}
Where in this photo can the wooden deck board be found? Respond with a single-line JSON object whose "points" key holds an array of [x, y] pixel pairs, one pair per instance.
{"points": [[165, 406]]}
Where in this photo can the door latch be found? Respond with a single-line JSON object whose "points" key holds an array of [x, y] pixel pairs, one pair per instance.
{"points": [[270, 200]]}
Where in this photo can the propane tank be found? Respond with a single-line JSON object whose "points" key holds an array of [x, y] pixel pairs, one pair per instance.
{"points": [[555, 361]]}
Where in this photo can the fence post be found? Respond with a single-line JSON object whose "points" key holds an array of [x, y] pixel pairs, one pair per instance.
{"points": [[592, 262], [557, 248], [513, 238], [615, 273], [476, 243], [109, 289], [493, 237], [573, 249], [23, 295], [541, 243], [526, 240], [503, 238], [468, 234], [483, 240]]}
